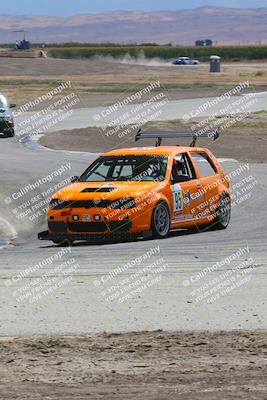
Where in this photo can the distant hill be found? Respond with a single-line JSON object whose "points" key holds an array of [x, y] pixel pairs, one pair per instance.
{"points": [[223, 25]]}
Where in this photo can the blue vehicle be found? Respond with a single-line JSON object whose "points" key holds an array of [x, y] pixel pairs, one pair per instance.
{"points": [[6, 118]]}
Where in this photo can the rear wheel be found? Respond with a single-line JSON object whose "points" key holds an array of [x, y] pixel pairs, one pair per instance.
{"points": [[161, 220], [223, 214]]}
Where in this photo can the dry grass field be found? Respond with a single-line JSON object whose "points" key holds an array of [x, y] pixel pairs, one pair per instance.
{"points": [[100, 82]]}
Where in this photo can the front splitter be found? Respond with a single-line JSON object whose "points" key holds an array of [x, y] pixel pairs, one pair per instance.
{"points": [[112, 236]]}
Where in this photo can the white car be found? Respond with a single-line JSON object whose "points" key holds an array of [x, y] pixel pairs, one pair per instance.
{"points": [[185, 61]]}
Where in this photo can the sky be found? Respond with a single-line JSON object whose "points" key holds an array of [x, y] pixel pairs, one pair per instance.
{"points": [[71, 7]]}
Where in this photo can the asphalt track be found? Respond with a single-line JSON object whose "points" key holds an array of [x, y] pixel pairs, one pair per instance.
{"points": [[79, 305], [167, 110]]}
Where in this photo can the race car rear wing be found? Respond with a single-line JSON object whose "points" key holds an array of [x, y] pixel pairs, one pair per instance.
{"points": [[159, 135]]}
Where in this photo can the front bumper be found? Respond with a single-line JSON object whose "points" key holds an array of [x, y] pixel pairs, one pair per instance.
{"points": [[110, 224], [71, 227], [112, 236], [6, 127]]}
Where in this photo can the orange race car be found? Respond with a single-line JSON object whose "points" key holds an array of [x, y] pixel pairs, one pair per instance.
{"points": [[142, 192]]}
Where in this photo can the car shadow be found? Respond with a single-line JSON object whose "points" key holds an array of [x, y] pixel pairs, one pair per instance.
{"points": [[173, 234]]}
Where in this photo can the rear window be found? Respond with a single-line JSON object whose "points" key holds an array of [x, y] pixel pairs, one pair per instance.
{"points": [[204, 165]]}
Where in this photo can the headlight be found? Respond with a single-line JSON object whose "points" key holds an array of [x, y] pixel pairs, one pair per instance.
{"points": [[8, 119]]}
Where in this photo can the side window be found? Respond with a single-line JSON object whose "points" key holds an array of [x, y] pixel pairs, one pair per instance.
{"points": [[182, 166], [203, 163]]}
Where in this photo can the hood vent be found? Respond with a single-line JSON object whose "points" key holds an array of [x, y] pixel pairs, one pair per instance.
{"points": [[100, 189]]}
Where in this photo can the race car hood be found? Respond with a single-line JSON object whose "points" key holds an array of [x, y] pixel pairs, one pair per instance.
{"points": [[106, 190]]}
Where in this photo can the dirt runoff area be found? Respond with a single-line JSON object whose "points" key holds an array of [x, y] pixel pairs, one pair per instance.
{"points": [[146, 366], [246, 144]]}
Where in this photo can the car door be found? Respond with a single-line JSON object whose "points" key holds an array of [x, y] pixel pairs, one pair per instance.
{"points": [[186, 194], [207, 182]]}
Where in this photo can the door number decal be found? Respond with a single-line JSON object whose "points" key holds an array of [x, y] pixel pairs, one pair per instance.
{"points": [[178, 202]]}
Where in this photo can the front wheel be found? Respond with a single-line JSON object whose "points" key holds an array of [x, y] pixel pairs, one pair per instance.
{"points": [[64, 243], [11, 133], [223, 214], [161, 221]]}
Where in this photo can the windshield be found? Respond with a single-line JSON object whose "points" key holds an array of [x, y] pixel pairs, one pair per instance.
{"points": [[126, 168]]}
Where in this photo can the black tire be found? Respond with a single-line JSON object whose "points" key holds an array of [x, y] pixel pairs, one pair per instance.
{"points": [[223, 213], [161, 221], [63, 243], [11, 133]]}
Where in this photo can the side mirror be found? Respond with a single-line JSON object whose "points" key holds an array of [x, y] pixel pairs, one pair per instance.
{"points": [[74, 179], [181, 178], [12, 105]]}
